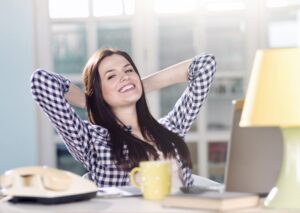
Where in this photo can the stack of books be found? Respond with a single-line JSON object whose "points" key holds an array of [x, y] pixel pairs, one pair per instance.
{"points": [[212, 200]]}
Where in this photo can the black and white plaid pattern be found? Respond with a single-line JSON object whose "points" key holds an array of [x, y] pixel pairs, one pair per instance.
{"points": [[89, 143]]}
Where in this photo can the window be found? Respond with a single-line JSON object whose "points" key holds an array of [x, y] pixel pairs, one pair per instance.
{"points": [[115, 34], [68, 8], [283, 23], [78, 28], [225, 5], [113, 7], [160, 33], [175, 37], [174, 6], [73, 39], [69, 47]]}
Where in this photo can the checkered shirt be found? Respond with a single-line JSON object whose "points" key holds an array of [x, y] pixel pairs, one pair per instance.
{"points": [[89, 143]]}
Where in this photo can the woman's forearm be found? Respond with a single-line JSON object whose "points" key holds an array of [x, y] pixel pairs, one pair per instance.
{"points": [[75, 96], [177, 73]]}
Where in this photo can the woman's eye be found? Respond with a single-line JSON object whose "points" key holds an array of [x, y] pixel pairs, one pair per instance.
{"points": [[110, 77], [130, 70]]}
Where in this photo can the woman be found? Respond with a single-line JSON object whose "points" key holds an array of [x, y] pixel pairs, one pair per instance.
{"points": [[121, 132]]}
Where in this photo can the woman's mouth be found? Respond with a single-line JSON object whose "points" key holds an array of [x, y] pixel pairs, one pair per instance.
{"points": [[126, 88]]}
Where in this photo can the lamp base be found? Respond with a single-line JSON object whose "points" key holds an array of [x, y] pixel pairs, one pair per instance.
{"points": [[286, 193]]}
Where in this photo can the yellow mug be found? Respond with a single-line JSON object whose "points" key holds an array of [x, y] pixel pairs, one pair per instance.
{"points": [[155, 179]]}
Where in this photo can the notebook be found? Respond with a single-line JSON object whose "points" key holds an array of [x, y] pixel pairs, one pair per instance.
{"points": [[212, 200], [254, 157]]}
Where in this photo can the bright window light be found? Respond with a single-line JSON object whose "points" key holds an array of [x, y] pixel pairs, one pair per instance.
{"points": [[68, 8], [107, 7], [129, 7], [282, 3], [283, 34], [174, 6], [276, 3], [225, 5]]}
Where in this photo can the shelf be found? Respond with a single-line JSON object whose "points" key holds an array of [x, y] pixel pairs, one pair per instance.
{"points": [[230, 74], [192, 137], [224, 97], [220, 165], [218, 135], [75, 78]]}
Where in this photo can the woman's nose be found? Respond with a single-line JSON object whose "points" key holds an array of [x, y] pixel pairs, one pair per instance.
{"points": [[124, 77]]}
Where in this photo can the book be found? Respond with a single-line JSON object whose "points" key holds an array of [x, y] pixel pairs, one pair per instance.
{"points": [[212, 200]]}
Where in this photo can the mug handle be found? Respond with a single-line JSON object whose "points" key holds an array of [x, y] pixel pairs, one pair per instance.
{"points": [[132, 176]]}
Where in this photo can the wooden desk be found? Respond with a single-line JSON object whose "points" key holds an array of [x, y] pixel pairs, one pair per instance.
{"points": [[114, 205]]}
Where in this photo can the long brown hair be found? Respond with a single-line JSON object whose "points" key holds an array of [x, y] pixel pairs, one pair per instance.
{"points": [[100, 113]]}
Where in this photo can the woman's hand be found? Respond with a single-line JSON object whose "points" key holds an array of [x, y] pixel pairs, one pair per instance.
{"points": [[175, 74], [75, 96]]}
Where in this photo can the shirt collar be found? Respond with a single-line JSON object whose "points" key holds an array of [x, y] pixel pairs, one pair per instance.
{"points": [[127, 128]]}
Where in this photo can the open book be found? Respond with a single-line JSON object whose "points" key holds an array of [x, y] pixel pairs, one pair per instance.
{"points": [[212, 200]]}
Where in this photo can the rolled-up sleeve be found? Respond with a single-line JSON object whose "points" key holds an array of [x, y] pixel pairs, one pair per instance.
{"points": [[48, 90], [200, 75]]}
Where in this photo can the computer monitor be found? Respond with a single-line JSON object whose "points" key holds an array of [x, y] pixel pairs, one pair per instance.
{"points": [[254, 156]]}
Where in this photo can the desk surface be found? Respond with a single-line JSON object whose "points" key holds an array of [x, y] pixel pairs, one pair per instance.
{"points": [[113, 205]]}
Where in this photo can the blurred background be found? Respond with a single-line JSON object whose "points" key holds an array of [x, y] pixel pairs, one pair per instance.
{"points": [[60, 35]]}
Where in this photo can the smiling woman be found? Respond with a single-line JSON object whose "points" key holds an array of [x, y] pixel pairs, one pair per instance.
{"points": [[121, 132]]}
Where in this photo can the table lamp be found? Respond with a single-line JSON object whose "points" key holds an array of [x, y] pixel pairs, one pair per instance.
{"points": [[273, 99]]}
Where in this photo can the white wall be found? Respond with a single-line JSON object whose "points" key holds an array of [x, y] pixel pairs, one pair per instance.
{"points": [[18, 145]]}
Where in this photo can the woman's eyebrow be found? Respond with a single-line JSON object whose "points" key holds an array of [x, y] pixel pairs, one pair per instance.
{"points": [[112, 70], [127, 65], [109, 71]]}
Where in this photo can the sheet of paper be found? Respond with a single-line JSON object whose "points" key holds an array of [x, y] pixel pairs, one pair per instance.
{"points": [[208, 184], [124, 191]]}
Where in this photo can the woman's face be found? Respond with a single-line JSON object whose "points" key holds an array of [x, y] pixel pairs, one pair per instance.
{"points": [[120, 84]]}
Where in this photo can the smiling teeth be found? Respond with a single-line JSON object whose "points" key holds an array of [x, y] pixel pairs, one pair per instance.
{"points": [[126, 88]]}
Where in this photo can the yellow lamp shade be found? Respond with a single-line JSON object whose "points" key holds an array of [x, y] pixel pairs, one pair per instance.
{"points": [[273, 95]]}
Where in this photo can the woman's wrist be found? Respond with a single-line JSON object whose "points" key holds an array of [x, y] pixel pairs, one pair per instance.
{"points": [[75, 96], [145, 86], [175, 74]]}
